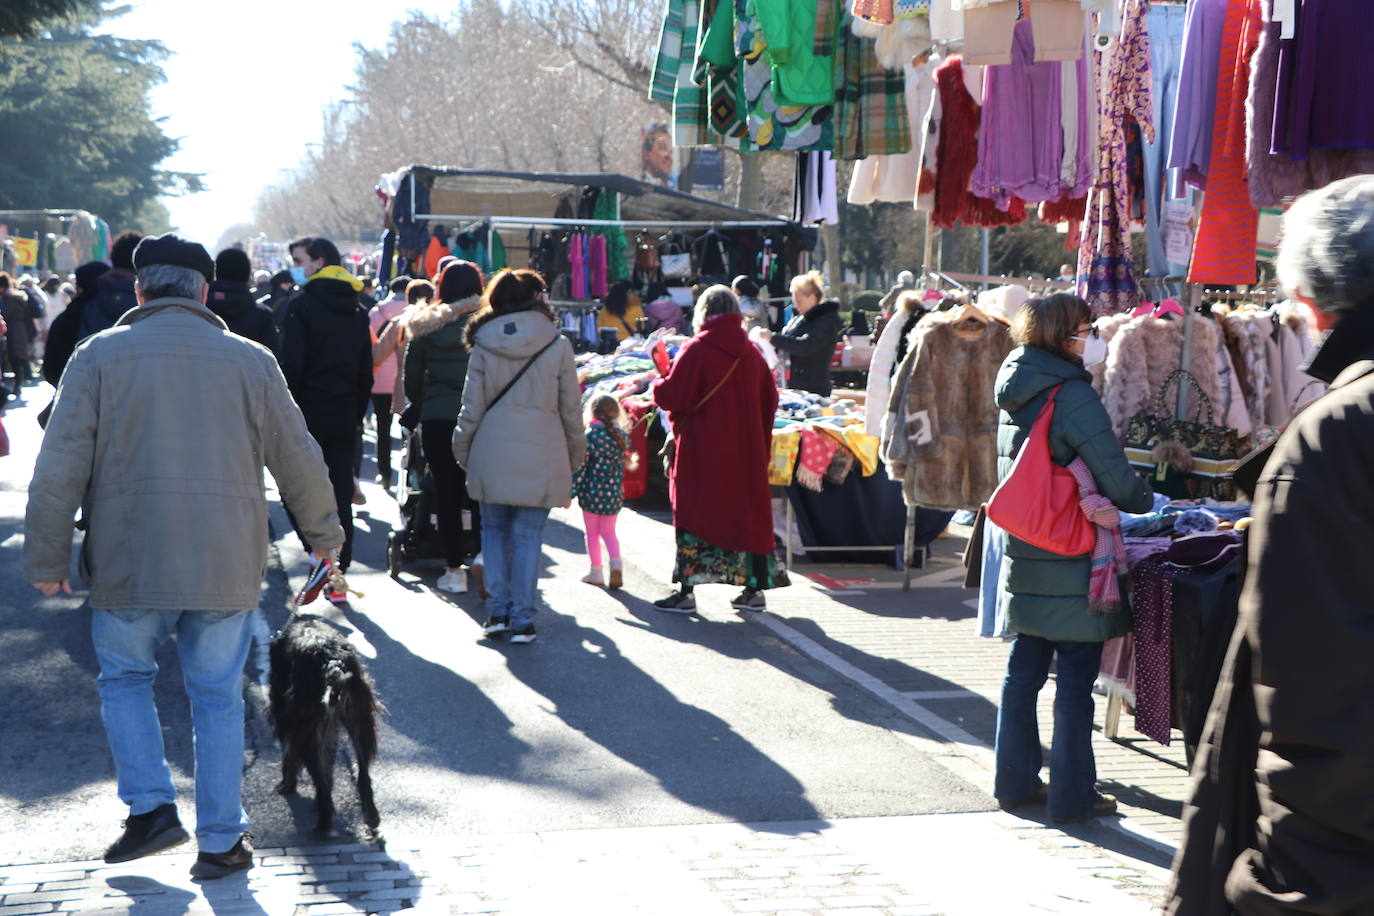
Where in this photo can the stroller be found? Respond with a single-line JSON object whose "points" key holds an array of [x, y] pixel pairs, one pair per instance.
{"points": [[418, 537]]}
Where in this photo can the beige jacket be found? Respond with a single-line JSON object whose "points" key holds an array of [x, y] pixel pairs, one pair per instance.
{"points": [[159, 433], [512, 454]]}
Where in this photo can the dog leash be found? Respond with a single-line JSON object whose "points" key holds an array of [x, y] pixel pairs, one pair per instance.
{"points": [[326, 570]]}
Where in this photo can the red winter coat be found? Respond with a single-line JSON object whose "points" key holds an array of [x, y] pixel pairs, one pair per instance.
{"points": [[719, 484]]}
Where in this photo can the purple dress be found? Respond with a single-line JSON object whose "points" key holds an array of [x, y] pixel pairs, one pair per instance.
{"points": [[1191, 148], [1022, 112], [1325, 98]]}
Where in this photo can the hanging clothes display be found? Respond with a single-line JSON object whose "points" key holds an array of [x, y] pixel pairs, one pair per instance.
{"points": [[870, 100], [1165, 23], [896, 178], [1106, 278], [1190, 149], [814, 192], [1141, 354], [1224, 250]]}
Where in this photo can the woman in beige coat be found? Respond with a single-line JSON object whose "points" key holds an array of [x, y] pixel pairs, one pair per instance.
{"points": [[520, 398]]}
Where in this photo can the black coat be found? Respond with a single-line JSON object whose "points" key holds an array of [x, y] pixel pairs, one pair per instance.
{"points": [[235, 304], [809, 342], [114, 295], [62, 337], [326, 356], [1292, 712]]}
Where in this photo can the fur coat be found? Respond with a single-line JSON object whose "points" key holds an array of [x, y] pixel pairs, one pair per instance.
{"points": [[881, 369], [1140, 357], [943, 440]]}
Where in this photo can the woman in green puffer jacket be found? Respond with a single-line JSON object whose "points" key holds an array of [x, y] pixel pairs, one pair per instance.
{"points": [[436, 367], [1046, 594]]}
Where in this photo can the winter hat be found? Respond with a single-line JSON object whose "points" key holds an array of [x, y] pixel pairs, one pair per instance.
{"points": [[1195, 521], [174, 251], [88, 273], [232, 265], [906, 280]]}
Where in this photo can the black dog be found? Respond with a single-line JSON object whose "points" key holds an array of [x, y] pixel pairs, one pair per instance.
{"points": [[317, 686]]}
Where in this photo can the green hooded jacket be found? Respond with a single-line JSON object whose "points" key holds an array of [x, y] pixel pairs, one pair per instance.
{"points": [[800, 76], [1048, 593]]}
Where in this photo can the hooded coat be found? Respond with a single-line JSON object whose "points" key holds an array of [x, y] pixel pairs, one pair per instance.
{"points": [[233, 302], [1281, 819], [436, 357], [1047, 594], [809, 342], [719, 480], [326, 354], [510, 449], [114, 295]]}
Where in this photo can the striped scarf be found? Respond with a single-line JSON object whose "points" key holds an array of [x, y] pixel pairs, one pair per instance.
{"points": [[1109, 552]]}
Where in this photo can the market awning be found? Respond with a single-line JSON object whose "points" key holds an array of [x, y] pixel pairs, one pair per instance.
{"points": [[455, 192]]}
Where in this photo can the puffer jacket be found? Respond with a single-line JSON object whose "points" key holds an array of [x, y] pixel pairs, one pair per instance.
{"points": [[437, 357], [326, 354], [159, 433], [809, 342], [1048, 593], [511, 453]]}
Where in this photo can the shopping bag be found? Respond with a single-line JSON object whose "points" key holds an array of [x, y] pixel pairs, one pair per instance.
{"points": [[1184, 458], [1038, 501]]}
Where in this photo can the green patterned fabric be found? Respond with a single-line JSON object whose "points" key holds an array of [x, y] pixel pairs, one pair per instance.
{"points": [[702, 563], [672, 75], [870, 101], [719, 72], [663, 82], [773, 126], [800, 75]]}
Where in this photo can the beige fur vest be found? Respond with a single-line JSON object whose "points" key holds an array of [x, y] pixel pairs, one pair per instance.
{"points": [[1140, 357]]}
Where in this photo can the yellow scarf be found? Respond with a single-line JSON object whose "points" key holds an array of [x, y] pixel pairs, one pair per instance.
{"points": [[335, 272]]}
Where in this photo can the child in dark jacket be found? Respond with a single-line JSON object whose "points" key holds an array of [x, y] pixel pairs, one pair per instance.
{"points": [[599, 487]]}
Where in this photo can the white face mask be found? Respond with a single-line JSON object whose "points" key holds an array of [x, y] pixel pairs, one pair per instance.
{"points": [[1094, 351]]}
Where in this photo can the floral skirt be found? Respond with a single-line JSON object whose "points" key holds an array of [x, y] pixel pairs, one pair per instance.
{"points": [[702, 563]]}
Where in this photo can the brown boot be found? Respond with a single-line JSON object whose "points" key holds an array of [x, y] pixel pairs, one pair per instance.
{"points": [[617, 579]]}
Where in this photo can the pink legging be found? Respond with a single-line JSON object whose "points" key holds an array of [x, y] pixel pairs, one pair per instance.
{"points": [[600, 528]]}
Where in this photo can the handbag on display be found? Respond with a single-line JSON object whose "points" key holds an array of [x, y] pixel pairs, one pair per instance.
{"points": [[1185, 459], [676, 261], [1038, 501]]}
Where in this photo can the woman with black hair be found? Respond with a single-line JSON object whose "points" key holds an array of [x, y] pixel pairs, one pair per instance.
{"points": [[436, 368], [620, 310]]}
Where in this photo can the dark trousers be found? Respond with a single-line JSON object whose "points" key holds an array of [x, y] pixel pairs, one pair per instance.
{"points": [[381, 413], [450, 488], [338, 458]]}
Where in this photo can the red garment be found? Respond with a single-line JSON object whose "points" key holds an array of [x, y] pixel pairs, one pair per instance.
{"points": [[1224, 251], [638, 415], [436, 252], [1064, 210], [956, 156], [719, 484]]}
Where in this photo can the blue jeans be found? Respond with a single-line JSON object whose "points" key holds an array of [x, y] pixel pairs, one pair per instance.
{"points": [[1073, 772], [512, 544], [213, 647]]}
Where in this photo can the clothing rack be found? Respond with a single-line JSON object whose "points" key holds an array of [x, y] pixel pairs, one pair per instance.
{"points": [[963, 281], [553, 222], [907, 546]]}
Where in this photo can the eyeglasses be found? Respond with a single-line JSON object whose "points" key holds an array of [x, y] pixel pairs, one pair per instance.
{"points": [[1084, 336]]}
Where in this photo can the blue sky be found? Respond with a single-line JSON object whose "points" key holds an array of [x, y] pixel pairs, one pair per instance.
{"points": [[246, 85]]}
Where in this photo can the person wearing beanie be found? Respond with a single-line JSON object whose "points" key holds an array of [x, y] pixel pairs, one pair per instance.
{"points": [[160, 435], [326, 356], [905, 281], [114, 291], [262, 284], [63, 335], [232, 299]]}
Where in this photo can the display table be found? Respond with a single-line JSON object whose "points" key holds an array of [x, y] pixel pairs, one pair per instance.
{"points": [[853, 520]]}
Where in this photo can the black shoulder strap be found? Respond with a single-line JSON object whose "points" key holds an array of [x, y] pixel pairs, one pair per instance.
{"points": [[515, 378]]}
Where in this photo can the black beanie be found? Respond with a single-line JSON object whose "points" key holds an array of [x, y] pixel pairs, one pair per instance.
{"points": [[232, 264], [88, 273], [174, 251]]}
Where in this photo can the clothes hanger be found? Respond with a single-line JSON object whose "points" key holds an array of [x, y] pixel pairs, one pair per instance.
{"points": [[1168, 307]]}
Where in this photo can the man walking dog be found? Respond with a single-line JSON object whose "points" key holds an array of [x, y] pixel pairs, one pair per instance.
{"points": [[159, 434]]}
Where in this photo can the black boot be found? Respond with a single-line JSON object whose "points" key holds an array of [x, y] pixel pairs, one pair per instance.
{"points": [[148, 833]]}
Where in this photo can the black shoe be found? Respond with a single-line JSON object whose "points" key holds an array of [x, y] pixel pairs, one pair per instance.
{"points": [[211, 865], [495, 626], [148, 833], [522, 634], [749, 600], [678, 603]]}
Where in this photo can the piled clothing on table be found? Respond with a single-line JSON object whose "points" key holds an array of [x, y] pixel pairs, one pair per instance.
{"points": [[940, 438], [817, 451]]}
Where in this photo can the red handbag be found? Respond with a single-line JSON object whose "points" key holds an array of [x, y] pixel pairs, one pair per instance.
{"points": [[1038, 502]]}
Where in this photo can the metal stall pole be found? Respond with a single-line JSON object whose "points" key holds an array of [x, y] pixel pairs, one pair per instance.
{"points": [[1185, 358]]}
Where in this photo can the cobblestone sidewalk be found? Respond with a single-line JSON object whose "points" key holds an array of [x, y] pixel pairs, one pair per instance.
{"points": [[898, 866]]}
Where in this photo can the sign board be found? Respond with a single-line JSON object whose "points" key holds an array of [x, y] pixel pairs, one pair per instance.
{"points": [[26, 250]]}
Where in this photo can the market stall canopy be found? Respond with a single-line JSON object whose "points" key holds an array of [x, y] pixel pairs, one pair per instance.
{"points": [[455, 192]]}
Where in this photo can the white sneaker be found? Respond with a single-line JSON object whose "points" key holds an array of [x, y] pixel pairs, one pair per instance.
{"points": [[594, 577], [455, 581]]}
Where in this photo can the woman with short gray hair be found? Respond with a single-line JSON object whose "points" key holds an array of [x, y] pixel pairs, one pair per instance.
{"points": [[1292, 710], [720, 400]]}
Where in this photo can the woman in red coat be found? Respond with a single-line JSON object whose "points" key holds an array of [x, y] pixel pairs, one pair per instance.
{"points": [[720, 399]]}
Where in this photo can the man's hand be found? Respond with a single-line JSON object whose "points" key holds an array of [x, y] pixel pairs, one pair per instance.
{"points": [[52, 588]]}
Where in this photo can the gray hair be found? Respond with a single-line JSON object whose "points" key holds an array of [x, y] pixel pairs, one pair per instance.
{"points": [[716, 300], [1326, 253], [165, 281]]}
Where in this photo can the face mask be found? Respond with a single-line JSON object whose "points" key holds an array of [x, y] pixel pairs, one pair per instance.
{"points": [[298, 275], [1094, 351]]}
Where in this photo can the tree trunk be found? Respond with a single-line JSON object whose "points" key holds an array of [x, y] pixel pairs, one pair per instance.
{"points": [[750, 180]]}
